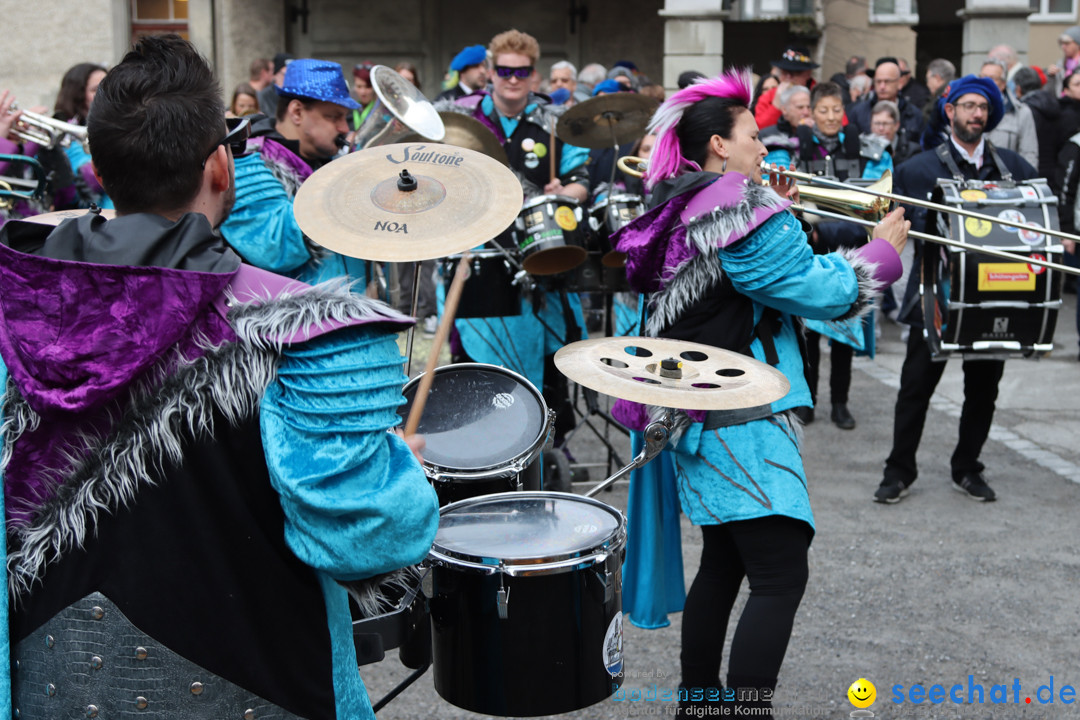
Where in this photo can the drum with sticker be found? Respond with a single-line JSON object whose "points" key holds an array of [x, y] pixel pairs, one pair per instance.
{"points": [[982, 306], [484, 428], [526, 603], [551, 234]]}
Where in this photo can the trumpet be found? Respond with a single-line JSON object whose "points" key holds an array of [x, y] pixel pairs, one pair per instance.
{"points": [[47, 131], [867, 205]]}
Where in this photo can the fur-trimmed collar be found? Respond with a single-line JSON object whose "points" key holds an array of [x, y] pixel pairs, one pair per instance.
{"points": [[156, 422]]}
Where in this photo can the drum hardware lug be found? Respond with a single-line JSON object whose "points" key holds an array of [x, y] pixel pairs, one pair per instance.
{"points": [[427, 584], [607, 580], [502, 597]]}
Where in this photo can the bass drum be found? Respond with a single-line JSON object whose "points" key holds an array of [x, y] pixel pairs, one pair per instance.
{"points": [[484, 428], [983, 307], [526, 603]]}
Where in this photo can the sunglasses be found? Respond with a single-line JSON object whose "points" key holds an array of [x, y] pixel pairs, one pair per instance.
{"points": [[239, 130], [521, 73]]}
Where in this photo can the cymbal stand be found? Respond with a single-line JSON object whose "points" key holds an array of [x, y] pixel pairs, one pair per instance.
{"points": [[414, 307], [657, 434]]}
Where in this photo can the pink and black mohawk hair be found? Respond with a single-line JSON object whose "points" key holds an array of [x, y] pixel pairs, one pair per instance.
{"points": [[667, 159]]}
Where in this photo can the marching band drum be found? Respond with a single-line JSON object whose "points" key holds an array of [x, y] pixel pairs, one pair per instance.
{"points": [[981, 306]]}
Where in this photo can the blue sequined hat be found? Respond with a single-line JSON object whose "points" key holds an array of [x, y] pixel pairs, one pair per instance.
{"points": [[472, 55], [317, 80]]}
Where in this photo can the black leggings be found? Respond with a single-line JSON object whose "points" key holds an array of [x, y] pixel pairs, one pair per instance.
{"points": [[840, 379], [771, 553]]}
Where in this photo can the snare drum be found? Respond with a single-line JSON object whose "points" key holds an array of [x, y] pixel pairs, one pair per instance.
{"points": [[984, 306], [491, 291], [484, 428], [526, 603], [551, 234]]}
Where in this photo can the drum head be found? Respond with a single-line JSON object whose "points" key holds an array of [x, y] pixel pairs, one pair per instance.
{"points": [[526, 528], [478, 416]]}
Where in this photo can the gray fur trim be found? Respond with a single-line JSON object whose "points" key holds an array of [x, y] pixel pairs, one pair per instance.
{"points": [[689, 282], [724, 222], [159, 421], [377, 595], [686, 285], [869, 287], [284, 175], [18, 419]]}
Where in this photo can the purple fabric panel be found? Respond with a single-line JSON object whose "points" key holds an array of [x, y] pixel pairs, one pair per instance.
{"points": [[635, 416], [881, 252], [473, 101], [87, 172], [73, 335], [647, 241], [727, 191], [283, 156]]}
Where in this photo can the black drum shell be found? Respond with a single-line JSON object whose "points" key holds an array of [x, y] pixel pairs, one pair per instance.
{"points": [[594, 276], [547, 246], [545, 658], [450, 489], [490, 291]]}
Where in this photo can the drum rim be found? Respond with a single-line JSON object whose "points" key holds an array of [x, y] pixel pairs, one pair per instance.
{"points": [[545, 199], [569, 561], [619, 197], [506, 468]]}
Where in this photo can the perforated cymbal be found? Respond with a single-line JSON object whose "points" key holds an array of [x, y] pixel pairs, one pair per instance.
{"points": [[712, 379], [354, 205], [606, 120], [467, 132]]}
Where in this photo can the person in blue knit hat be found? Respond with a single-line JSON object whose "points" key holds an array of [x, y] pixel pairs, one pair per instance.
{"points": [[471, 67], [969, 108], [308, 132]]}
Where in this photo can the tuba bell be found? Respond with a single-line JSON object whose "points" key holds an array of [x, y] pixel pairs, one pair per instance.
{"points": [[400, 109]]}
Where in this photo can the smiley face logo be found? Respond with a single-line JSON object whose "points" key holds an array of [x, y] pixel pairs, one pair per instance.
{"points": [[862, 693]]}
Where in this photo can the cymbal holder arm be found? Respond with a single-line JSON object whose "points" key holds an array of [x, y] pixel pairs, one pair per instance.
{"points": [[657, 434]]}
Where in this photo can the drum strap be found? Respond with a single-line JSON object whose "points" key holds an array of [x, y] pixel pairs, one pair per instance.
{"points": [[947, 159]]}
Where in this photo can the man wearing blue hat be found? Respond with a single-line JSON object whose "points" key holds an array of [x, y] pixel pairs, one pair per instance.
{"points": [[970, 107], [471, 66], [307, 133]]}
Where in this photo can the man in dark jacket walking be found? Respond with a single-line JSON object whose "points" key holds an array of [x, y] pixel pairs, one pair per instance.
{"points": [[972, 106]]}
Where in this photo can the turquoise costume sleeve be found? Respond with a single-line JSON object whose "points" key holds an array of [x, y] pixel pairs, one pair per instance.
{"points": [[876, 168], [261, 226], [356, 501], [572, 157], [774, 266], [779, 157]]}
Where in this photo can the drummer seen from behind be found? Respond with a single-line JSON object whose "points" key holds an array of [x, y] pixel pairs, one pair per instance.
{"points": [[214, 467], [524, 122], [723, 262]]}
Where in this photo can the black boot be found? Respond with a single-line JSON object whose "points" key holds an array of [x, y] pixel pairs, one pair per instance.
{"points": [[841, 417]]}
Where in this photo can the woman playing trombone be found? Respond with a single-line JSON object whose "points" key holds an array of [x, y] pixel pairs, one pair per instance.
{"points": [[725, 264]]}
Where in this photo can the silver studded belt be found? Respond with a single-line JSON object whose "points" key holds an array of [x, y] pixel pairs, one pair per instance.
{"points": [[90, 661]]}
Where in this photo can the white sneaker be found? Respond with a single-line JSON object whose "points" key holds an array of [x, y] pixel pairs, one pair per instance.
{"points": [[431, 324]]}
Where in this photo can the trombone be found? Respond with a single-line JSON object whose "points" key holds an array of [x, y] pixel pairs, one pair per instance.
{"points": [[866, 206]]}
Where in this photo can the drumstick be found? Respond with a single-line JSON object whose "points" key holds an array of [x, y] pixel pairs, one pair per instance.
{"points": [[551, 152], [449, 310]]}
